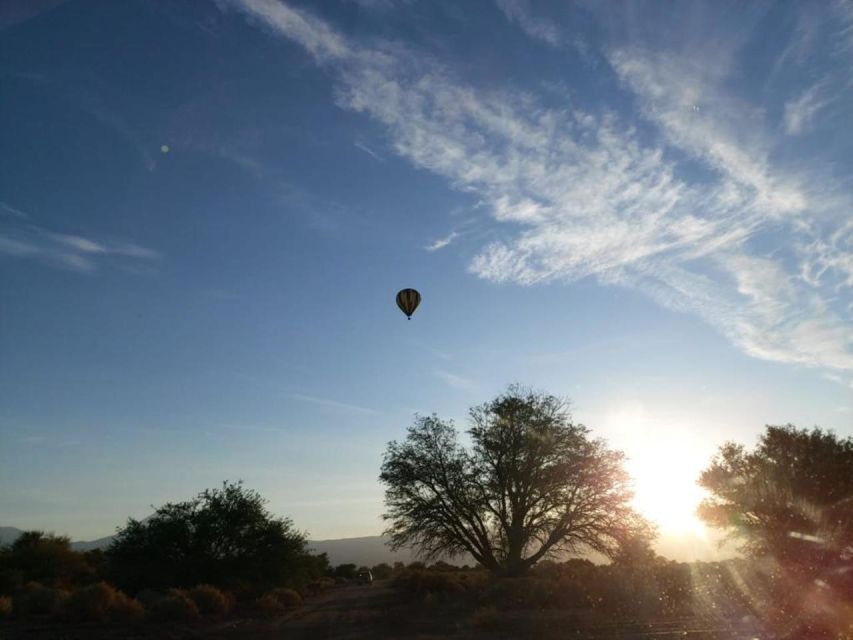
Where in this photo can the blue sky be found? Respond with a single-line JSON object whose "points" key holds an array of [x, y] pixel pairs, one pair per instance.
{"points": [[207, 208]]}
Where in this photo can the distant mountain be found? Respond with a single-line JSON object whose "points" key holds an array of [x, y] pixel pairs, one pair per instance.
{"points": [[91, 545], [369, 551]]}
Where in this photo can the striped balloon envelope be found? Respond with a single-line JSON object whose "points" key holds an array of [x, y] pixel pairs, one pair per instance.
{"points": [[408, 300]]}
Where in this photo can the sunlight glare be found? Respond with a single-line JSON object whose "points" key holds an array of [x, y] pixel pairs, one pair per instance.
{"points": [[664, 463]]}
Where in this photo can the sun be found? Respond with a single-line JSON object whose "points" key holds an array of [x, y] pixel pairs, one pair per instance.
{"points": [[664, 461], [666, 493]]}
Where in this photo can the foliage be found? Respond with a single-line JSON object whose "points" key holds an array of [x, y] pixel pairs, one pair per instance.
{"points": [[268, 605], [381, 571], [348, 571], [791, 497], [90, 603], [100, 601], [486, 619], [175, 606], [278, 601], [220, 537], [288, 598], [533, 484], [209, 599], [37, 600], [5, 607], [41, 557], [420, 583]]}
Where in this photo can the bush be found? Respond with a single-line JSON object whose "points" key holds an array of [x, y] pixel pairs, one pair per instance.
{"points": [[149, 597], [268, 605], [288, 598], [175, 606], [318, 586], [421, 583], [486, 619], [5, 607], [99, 602], [278, 601], [36, 600], [125, 609], [90, 604], [209, 599]]}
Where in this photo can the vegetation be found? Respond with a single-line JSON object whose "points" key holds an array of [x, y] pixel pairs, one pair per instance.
{"points": [[532, 485], [790, 498], [222, 537]]}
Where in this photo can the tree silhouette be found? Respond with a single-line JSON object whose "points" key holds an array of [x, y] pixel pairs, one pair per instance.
{"points": [[222, 536], [791, 497], [532, 484]]}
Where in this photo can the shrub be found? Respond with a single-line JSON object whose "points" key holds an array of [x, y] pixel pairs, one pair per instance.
{"points": [[175, 606], [149, 597], [90, 604], [268, 605], [36, 599], [318, 586], [5, 607], [278, 601], [486, 619], [288, 598], [422, 582], [125, 609], [209, 599], [11, 581], [99, 602]]}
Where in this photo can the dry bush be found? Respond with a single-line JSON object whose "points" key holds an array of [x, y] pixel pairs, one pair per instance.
{"points": [[36, 599], [320, 585], [486, 619], [90, 604], [101, 601], [175, 606], [5, 607], [210, 600], [126, 609], [421, 583], [268, 605], [149, 597], [278, 601], [288, 598]]}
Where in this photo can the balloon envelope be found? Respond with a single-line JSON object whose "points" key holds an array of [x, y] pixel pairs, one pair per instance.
{"points": [[408, 300]]}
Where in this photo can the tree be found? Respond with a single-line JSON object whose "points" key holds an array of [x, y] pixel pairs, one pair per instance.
{"points": [[791, 497], [222, 536], [42, 557], [531, 485]]}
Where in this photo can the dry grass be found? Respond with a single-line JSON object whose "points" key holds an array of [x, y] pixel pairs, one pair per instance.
{"points": [[210, 600]]}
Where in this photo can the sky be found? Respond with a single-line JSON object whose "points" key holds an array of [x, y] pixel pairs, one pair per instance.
{"points": [[207, 208]]}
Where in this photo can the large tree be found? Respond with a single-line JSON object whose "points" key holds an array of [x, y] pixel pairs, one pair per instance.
{"points": [[532, 484], [222, 536], [791, 497]]}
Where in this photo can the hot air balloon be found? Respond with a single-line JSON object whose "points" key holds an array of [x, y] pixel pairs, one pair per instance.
{"points": [[408, 300]]}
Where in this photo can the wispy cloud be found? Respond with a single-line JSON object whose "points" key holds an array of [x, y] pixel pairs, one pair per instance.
{"points": [[9, 210], [442, 242], [24, 240], [368, 151], [581, 193], [800, 111], [519, 12], [328, 403], [458, 382]]}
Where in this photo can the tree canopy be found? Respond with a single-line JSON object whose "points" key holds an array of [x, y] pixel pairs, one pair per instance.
{"points": [[222, 536], [532, 484], [790, 497]]}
